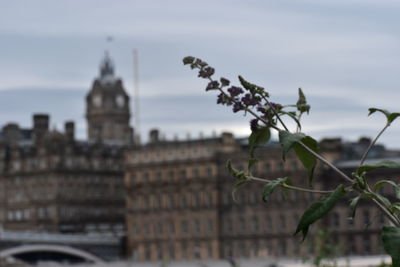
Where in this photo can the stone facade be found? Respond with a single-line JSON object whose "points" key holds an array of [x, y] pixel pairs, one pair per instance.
{"points": [[180, 205], [49, 181]]}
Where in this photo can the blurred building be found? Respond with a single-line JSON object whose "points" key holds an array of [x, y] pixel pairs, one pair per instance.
{"points": [[180, 204], [49, 181]]}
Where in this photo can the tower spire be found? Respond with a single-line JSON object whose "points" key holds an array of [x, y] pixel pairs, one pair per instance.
{"points": [[106, 66]]}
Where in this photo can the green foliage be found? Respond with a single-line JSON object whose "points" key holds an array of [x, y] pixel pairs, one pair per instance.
{"points": [[383, 164], [319, 209], [309, 161], [270, 187], [396, 187], [287, 140], [269, 116], [389, 116], [259, 137], [391, 243], [301, 104]]}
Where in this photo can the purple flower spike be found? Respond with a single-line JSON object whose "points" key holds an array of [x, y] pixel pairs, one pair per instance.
{"points": [[235, 91]]}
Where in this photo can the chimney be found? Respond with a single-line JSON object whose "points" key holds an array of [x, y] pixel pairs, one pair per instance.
{"points": [[11, 133], [154, 136], [40, 126], [69, 128]]}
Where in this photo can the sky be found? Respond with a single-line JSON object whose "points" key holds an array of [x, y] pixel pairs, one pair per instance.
{"points": [[344, 54]]}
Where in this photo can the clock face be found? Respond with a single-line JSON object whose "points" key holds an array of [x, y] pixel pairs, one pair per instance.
{"points": [[120, 100], [97, 100]]}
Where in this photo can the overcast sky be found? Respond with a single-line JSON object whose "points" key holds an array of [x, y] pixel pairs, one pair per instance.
{"points": [[343, 53]]}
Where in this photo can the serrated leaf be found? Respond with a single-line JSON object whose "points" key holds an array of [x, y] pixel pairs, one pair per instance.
{"points": [[396, 187], [270, 187], [258, 137], [234, 172], [287, 140], [391, 243], [319, 209], [382, 164], [389, 116], [308, 160]]}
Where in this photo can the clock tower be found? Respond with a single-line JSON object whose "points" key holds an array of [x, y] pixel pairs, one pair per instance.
{"points": [[107, 108]]}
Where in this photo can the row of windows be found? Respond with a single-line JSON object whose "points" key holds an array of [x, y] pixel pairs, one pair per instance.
{"points": [[363, 217], [172, 201], [183, 227], [171, 174], [40, 164], [257, 224], [271, 166], [26, 214], [184, 250], [75, 180], [246, 196]]}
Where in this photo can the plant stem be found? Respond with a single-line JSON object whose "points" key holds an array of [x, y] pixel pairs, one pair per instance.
{"points": [[393, 219], [290, 186], [364, 157]]}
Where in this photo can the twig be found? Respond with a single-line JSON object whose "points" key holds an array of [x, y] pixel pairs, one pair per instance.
{"points": [[364, 157]]}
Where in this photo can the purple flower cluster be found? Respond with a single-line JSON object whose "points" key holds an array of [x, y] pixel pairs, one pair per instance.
{"points": [[235, 91], [249, 100], [212, 85], [206, 72]]}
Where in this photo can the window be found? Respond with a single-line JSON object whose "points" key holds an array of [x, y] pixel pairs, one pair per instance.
{"points": [[171, 227], [171, 175], [195, 173], [210, 226], [282, 222], [255, 224], [366, 219], [182, 174], [267, 167], [335, 219], [145, 176], [242, 225], [280, 167], [184, 227], [184, 201], [197, 226], [367, 245], [159, 229], [159, 176], [209, 172], [268, 223]]}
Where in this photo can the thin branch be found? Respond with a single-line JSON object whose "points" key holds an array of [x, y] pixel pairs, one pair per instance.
{"points": [[318, 156], [364, 157], [290, 186], [393, 219]]}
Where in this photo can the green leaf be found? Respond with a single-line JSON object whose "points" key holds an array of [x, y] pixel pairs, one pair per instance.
{"points": [[270, 187], [391, 243], [258, 137], [319, 209], [353, 205], [396, 187], [308, 160], [382, 164], [389, 116], [287, 141], [234, 172], [301, 104]]}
